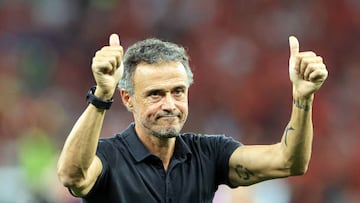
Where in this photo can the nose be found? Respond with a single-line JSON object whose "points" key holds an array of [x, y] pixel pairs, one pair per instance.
{"points": [[168, 102]]}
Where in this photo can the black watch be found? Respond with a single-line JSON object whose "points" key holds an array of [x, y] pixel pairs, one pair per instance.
{"points": [[97, 102]]}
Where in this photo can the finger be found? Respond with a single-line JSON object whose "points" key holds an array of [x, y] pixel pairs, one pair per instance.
{"points": [[110, 58], [104, 53], [318, 75], [311, 68], [111, 52], [119, 72], [118, 56], [306, 54], [102, 66], [112, 48], [114, 40], [306, 58], [115, 48], [294, 46]]}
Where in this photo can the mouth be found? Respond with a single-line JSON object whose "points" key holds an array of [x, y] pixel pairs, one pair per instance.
{"points": [[168, 116]]}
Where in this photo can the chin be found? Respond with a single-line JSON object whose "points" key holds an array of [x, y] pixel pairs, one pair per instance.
{"points": [[166, 132], [169, 131], [163, 129]]}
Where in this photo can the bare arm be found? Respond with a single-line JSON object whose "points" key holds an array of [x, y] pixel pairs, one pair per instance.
{"points": [[78, 165], [291, 156], [252, 164]]}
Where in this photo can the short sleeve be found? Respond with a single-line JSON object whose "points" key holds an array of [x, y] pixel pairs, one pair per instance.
{"points": [[224, 146], [102, 152]]}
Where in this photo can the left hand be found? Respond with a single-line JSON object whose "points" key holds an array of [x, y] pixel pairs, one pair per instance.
{"points": [[307, 71]]}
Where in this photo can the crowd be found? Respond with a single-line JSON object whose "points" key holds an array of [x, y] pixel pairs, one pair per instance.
{"points": [[239, 55]]}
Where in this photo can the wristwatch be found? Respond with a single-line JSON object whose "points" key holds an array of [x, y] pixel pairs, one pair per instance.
{"points": [[97, 102]]}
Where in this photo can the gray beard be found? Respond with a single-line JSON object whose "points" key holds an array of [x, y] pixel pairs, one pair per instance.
{"points": [[163, 133]]}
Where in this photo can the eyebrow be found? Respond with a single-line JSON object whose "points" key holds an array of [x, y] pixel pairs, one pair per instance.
{"points": [[149, 91]]}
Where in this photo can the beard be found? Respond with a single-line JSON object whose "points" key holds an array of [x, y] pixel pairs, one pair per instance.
{"points": [[168, 132], [164, 131]]}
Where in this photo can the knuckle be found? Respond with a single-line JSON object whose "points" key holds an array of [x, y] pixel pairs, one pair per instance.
{"points": [[98, 53], [311, 53], [105, 48]]}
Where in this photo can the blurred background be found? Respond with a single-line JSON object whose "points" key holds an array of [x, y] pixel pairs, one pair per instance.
{"points": [[239, 54]]}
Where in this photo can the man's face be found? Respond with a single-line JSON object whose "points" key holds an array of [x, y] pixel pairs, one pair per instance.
{"points": [[160, 100]]}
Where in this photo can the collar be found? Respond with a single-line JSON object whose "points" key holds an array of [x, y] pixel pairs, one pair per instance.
{"points": [[140, 152], [182, 150]]}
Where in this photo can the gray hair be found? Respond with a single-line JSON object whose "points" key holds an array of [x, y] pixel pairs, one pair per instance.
{"points": [[151, 51]]}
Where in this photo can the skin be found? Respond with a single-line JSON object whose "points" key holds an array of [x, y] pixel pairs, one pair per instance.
{"points": [[160, 107], [291, 156]]}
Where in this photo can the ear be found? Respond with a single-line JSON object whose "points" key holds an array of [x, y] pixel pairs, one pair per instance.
{"points": [[126, 99]]}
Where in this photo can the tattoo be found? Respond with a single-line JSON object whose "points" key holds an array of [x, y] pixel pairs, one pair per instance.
{"points": [[305, 107], [286, 133], [243, 172]]}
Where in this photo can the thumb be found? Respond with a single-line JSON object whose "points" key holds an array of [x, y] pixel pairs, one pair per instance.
{"points": [[114, 40], [294, 46]]}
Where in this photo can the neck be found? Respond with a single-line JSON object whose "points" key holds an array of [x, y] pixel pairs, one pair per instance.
{"points": [[161, 147]]}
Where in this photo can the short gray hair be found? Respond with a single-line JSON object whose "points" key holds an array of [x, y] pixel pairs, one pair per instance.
{"points": [[151, 51]]}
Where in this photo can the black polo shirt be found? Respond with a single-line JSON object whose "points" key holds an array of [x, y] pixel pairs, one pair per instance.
{"points": [[131, 174]]}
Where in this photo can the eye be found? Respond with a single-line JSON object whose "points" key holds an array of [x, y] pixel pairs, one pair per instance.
{"points": [[178, 92], [155, 94]]}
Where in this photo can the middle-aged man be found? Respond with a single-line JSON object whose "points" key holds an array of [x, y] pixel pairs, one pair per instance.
{"points": [[151, 160]]}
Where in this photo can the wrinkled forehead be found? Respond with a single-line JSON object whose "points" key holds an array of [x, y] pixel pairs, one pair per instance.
{"points": [[159, 76]]}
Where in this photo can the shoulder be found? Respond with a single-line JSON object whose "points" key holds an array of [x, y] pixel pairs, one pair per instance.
{"points": [[109, 141], [215, 142], [207, 138], [115, 139], [109, 147]]}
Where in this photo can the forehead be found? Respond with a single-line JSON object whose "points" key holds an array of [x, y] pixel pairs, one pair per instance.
{"points": [[160, 76]]}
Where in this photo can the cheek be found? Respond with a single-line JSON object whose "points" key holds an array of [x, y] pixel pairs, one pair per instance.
{"points": [[148, 111], [183, 108]]}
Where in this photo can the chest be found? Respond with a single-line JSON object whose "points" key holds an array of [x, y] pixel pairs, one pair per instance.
{"points": [[187, 179]]}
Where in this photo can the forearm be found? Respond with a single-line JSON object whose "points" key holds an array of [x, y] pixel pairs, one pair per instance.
{"points": [[252, 164], [80, 146], [298, 135]]}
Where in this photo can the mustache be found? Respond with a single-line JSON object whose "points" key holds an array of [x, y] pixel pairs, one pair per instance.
{"points": [[168, 113]]}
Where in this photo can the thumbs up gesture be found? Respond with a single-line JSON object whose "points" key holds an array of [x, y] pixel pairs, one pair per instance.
{"points": [[107, 68], [307, 70]]}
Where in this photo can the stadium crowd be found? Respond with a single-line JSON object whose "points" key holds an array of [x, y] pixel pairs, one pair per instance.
{"points": [[239, 55]]}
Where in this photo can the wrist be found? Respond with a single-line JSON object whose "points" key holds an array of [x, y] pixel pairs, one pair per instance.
{"points": [[303, 103], [98, 102], [103, 95], [302, 94]]}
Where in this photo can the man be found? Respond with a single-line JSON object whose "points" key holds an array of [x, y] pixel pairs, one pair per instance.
{"points": [[151, 161]]}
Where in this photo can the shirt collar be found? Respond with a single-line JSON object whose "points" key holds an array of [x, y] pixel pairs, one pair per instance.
{"points": [[182, 150], [134, 144], [140, 152]]}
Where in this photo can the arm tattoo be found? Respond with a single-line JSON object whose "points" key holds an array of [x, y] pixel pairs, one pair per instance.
{"points": [[286, 133], [305, 107], [243, 172]]}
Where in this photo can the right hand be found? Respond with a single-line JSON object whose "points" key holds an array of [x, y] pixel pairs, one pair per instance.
{"points": [[107, 68]]}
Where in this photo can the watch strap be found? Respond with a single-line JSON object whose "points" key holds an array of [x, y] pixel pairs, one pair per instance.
{"points": [[97, 102]]}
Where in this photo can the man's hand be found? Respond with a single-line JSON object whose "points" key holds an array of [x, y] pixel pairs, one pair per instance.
{"points": [[107, 68], [307, 71]]}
